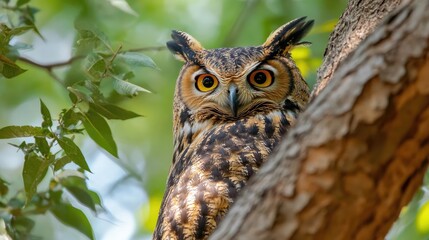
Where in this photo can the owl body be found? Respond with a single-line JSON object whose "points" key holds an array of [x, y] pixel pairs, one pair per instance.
{"points": [[231, 108]]}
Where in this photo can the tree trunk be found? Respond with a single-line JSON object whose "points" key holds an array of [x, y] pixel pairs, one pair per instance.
{"points": [[358, 20], [360, 150]]}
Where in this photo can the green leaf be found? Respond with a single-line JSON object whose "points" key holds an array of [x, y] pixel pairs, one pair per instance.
{"points": [[4, 189], [34, 171], [73, 217], [20, 30], [99, 131], [61, 162], [72, 96], [69, 118], [47, 120], [111, 111], [42, 145], [21, 131], [8, 68], [95, 198], [23, 224], [95, 66], [77, 95], [27, 18], [23, 146], [136, 59], [127, 76], [94, 90], [102, 39], [22, 2], [55, 196], [73, 152], [78, 188], [82, 196], [93, 39], [126, 88], [76, 179]]}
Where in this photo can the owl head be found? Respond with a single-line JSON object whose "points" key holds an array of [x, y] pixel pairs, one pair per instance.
{"points": [[231, 83]]}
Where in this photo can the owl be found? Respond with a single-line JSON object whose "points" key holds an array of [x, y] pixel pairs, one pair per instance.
{"points": [[231, 108]]}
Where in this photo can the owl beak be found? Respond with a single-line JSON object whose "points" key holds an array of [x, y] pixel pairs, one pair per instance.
{"points": [[233, 99]]}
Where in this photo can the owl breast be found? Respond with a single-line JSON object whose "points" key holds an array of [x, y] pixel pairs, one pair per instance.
{"points": [[210, 171]]}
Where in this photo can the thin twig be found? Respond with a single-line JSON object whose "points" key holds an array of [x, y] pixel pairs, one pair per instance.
{"points": [[49, 67], [54, 76]]}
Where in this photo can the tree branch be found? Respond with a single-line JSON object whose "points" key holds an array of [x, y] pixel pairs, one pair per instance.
{"points": [[357, 154], [358, 20], [49, 67]]}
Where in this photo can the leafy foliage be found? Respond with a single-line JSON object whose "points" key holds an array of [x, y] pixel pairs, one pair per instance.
{"points": [[24, 21], [39, 158], [73, 217], [50, 149]]}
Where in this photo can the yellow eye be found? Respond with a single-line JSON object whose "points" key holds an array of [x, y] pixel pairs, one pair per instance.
{"points": [[261, 78], [206, 82]]}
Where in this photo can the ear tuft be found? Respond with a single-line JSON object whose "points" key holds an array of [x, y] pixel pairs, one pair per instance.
{"points": [[184, 46], [281, 41]]}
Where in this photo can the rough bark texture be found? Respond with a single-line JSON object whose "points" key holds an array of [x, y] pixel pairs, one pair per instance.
{"points": [[359, 151], [358, 20]]}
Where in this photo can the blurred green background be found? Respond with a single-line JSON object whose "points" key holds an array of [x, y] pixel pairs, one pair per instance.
{"points": [[132, 186]]}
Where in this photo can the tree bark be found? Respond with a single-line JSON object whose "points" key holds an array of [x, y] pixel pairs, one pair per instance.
{"points": [[360, 150], [358, 20]]}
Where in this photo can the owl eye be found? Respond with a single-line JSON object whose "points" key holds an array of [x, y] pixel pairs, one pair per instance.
{"points": [[261, 78], [206, 82]]}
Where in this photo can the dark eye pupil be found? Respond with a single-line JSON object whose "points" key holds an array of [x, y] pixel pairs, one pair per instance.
{"points": [[208, 82], [260, 78]]}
